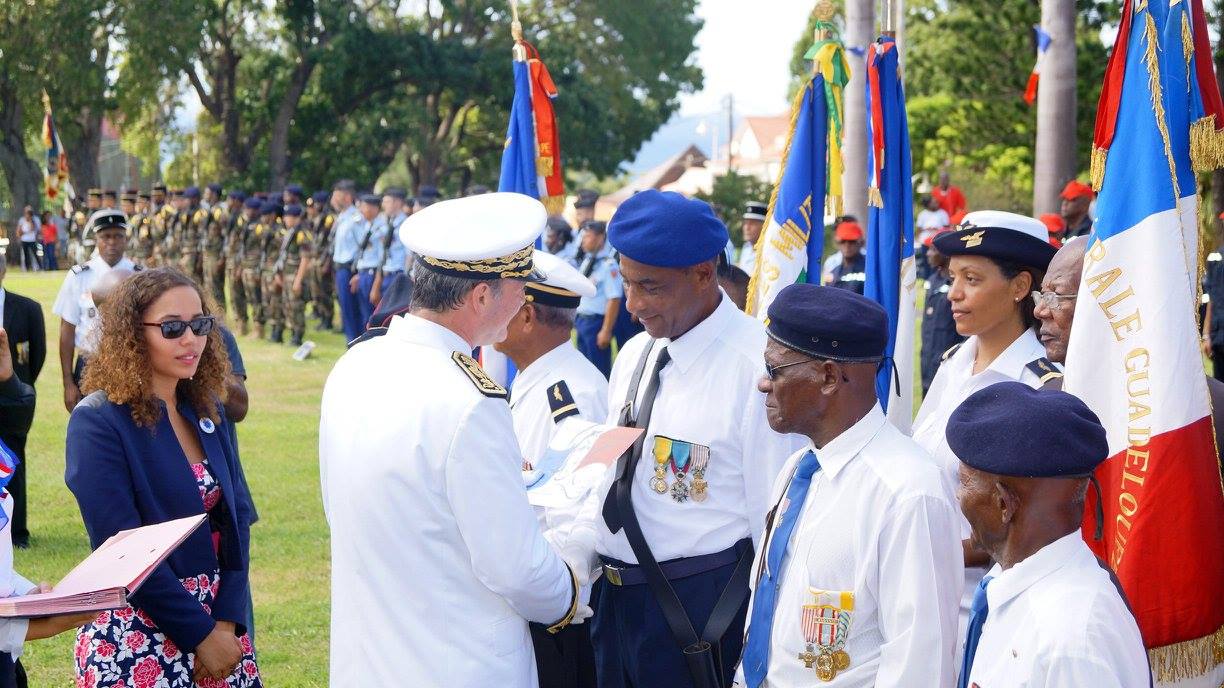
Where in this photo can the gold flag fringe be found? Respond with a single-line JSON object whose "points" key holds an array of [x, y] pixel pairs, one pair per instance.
{"points": [[1206, 145], [874, 198], [1187, 659], [555, 205], [1096, 167]]}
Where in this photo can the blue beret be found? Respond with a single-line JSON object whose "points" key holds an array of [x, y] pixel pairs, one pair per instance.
{"points": [[215, 188], [293, 209], [320, 197], [295, 189], [373, 199], [1005, 429], [269, 208], [586, 198], [236, 194], [192, 192], [828, 323], [428, 191], [667, 230], [253, 202]]}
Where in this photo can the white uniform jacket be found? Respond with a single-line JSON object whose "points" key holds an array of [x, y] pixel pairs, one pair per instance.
{"points": [[437, 559], [878, 544], [1056, 621]]}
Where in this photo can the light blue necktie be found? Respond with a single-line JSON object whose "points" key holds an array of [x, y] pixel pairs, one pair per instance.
{"points": [[760, 628], [978, 611]]}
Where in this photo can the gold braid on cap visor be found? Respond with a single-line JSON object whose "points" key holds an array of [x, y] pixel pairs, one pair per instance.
{"points": [[517, 264]]}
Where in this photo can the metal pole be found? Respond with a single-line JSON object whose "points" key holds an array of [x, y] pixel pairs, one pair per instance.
{"points": [[1054, 165], [860, 23]]}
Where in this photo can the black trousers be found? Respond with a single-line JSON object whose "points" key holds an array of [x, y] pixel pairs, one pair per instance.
{"points": [[1217, 362], [564, 659], [17, 486]]}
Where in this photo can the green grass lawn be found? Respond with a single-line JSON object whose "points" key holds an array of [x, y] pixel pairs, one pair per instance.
{"points": [[279, 445]]}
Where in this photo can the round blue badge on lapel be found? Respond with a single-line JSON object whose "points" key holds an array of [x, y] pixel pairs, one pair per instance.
{"points": [[207, 425]]}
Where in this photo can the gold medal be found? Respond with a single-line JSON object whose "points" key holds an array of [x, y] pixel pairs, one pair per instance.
{"points": [[658, 483], [841, 660], [662, 456], [825, 667], [698, 493]]}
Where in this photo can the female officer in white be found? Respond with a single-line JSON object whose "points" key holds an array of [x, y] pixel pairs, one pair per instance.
{"points": [[858, 579], [437, 560], [996, 260]]}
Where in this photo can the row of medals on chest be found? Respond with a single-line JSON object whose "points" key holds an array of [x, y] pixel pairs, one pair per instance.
{"points": [[682, 459]]}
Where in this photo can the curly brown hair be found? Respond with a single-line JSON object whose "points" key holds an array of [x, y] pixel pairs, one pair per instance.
{"points": [[121, 366]]}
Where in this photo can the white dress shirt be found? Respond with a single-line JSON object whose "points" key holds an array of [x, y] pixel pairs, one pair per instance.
{"points": [[747, 258], [875, 524], [953, 383], [1056, 621], [707, 396], [437, 560], [532, 413], [75, 302], [12, 631]]}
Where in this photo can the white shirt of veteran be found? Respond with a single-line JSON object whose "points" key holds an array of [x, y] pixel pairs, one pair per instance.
{"points": [[857, 580], [1047, 614], [437, 560]]}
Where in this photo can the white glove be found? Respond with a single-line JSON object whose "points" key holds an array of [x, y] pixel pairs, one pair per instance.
{"points": [[582, 614]]}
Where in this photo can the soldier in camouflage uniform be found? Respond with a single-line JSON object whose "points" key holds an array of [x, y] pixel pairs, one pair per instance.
{"points": [[76, 228], [252, 262], [141, 244], [212, 246], [292, 266], [160, 224], [240, 225], [192, 236], [269, 251], [127, 203], [174, 227], [322, 283]]}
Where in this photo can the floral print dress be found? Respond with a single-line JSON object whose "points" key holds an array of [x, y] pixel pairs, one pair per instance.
{"points": [[122, 648]]}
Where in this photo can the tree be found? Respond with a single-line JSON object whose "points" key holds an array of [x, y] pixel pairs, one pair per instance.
{"points": [[729, 194]]}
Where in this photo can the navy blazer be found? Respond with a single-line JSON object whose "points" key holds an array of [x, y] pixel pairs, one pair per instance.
{"points": [[125, 476]]}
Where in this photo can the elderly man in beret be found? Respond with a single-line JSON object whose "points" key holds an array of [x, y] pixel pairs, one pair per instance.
{"points": [[1047, 613], [686, 504], [858, 581]]}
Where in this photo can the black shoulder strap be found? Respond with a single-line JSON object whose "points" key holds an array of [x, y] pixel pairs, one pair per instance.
{"points": [[561, 402], [1044, 370]]}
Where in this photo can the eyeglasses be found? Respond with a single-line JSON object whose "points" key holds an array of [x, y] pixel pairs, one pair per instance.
{"points": [[173, 329], [771, 371], [1051, 300]]}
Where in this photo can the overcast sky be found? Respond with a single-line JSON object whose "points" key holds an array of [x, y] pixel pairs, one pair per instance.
{"points": [[745, 49]]}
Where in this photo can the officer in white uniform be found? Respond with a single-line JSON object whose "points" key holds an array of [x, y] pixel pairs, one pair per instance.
{"points": [[979, 250], [554, 383], [74, 305], [1047, 614], [437, 560], [696, 486], [754, 220], [860, 574]]}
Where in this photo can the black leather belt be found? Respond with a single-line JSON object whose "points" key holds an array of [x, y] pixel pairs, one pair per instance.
{"points": [[619, 573], [343, 266]]}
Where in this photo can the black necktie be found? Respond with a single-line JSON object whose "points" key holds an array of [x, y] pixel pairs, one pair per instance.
{"points": [[628, 465]]}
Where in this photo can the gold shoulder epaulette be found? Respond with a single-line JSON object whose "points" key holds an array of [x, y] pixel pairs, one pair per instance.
{"points": [[484, 384]]}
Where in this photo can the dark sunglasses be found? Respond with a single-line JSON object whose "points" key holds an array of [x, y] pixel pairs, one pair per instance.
{"points": [[173, 329], [771, 371]]}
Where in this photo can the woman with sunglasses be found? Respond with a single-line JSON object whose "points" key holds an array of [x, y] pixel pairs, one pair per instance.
{"points": [[996, 259], [148, 445]]}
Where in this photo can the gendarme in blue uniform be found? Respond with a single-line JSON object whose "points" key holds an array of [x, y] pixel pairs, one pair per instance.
{"points": [[601, 268]]}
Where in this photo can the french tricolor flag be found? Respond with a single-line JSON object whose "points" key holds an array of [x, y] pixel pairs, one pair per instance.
{"points": [[1043, 44], [1133, 355]]}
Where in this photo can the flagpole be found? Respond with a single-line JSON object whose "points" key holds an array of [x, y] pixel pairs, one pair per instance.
{"points": [[516, 32]]}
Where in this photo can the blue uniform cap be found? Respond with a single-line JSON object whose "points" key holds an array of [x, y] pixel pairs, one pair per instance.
{"points": [[293, 209], [295, 189], [428, 192], [396, 192], [1005, 429], [215, 188], [667, 230], [237, 195], [253, 202], [321, 197], [828, 323], [269, 208], [372, 199], [192, 192]]}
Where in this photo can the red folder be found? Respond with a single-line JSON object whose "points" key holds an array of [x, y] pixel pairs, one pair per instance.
{"points": [[106, 577]]}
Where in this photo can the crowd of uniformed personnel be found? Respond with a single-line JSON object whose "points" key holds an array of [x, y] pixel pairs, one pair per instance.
{"points": [[262, 258]]}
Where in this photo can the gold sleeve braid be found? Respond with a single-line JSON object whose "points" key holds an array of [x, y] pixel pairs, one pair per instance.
{"points": [[573, 608]]}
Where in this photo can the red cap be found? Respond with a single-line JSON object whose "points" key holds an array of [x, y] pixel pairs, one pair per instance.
{"points": [[849, 231], [1054, 222], [931, 237], [1222, 216], [1074, 189]]}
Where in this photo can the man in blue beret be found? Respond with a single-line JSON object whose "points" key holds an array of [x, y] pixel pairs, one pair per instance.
{"points": [[292, 195], [860, 575], [683, 508], [212, 196], [1047, 613], [427, 195]]}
